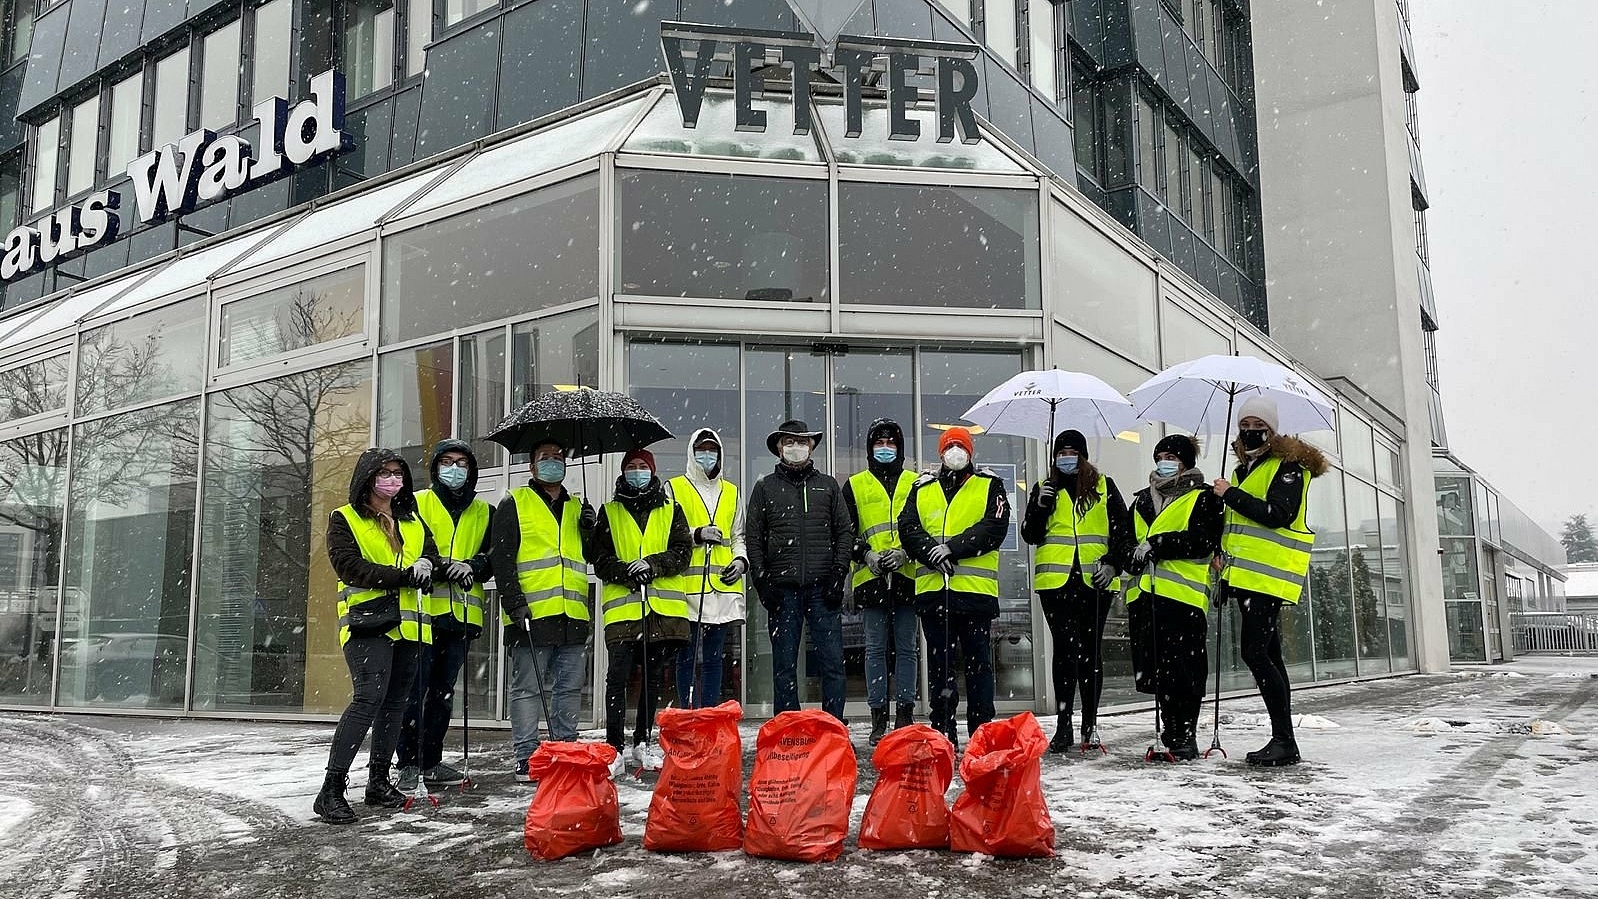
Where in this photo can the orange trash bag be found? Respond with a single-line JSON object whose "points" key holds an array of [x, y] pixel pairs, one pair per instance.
{"points": [[575, 808], [907, 810], [695, 806], [1002, 812], [802, 788]]}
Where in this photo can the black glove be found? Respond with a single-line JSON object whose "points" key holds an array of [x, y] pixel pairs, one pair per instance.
{"points": [[832, 595], [734, 571], [641, 572], [588, 519], [1046, 495], [767, 596], [520, 616]]}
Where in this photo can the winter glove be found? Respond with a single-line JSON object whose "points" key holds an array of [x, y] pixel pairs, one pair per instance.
{"points": [[1103, 575], [734, 571], [421, 573], [710, 535], [1046, 495], [938, 556], [641, 572], [460, 573], [832, 592], [588, 519], [1144, 553], [521, 616], [893, 560], [873, 561]]}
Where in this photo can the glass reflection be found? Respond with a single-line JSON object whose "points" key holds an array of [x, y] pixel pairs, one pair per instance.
{"points": [[322, 309], [1331, 588], [1366, 553], [146, 357], [415, 392], [34, 388], [32, 507]]}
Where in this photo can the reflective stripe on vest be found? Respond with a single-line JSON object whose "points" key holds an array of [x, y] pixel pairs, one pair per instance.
{"points": [[550, 567], [694, 512], [1184, 580], [1073, 540], [456, 542], [415, 625], [942, 520], [1274, 562], [879, 519], [624, 602]]}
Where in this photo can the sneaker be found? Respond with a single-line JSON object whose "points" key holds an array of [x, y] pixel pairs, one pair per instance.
{"points": [[442, 775], [521, 772], [408, 776], [618, 767]]}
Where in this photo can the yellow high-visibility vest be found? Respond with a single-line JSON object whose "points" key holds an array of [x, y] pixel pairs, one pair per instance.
{"points": [[456, 542], [694, 512], [879, 520], [1272, 561], [1074, 539], [550, 567], [414, 623], [624, 602], [1184, 580], [943, 519]]}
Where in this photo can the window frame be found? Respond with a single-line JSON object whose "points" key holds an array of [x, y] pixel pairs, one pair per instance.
{"points": [[33, 208], [49, 418], [320, 355]]}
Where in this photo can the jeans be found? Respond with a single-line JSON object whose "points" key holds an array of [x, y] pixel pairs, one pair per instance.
{"points": [[712, 639], [1262, 653], [972, 635], [1075, 614], [791, 608], [381, 672], [560, 669], [900, 622], [432, 702], [625, 656]]}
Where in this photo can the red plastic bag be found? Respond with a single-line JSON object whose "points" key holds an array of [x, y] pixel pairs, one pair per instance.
{"points": [[1002, 812], [802, 788], [575, 808], [695, 806], [906, 810]]}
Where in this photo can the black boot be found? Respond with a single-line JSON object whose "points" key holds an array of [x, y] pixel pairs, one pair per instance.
{"points": [[380, 791], [879, 725], [1279, 751], [330, 805], [906, 715], [1062, 733]]}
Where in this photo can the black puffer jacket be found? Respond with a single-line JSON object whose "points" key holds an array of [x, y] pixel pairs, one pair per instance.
{"points": [[349, 563], [798, 532]]}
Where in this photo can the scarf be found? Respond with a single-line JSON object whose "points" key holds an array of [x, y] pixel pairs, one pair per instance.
{"points": [[1162, 491]]}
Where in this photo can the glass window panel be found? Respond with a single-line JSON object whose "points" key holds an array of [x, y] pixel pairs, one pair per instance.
{"points": [[1484, 499], [33, 474], [1331, 590], [1370, 577], [83, 150], [10, 192], [46, 150], [556, 353], [278, 459], [127, 106], [219, 97], [129, 557], [874, 147], [530, 252], [337, 221], [147, 357], [460, 10], [730, 237], [1466, 638], [1000, 23], [1172, 152], [418, 33], [867, 385], [171, 115], [18, 30], [904, 245], [368, 46], [1193, 202], [482, 401], [416, 389], [1148, 126], [301, 315], [272, 50], [959, 9], [1395, 577], [1040, 33], [716, 134], [1107, 289], [33, 389], [1358, 455]]}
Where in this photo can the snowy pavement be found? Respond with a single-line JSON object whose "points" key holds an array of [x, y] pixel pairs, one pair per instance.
{"points": [[1480, 783]]}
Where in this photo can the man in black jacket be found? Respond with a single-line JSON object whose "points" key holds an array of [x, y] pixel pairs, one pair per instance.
{"points": [[799, 537]]}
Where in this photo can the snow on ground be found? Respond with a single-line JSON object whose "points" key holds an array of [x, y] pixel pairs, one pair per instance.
{"points": [[1473, 784]]}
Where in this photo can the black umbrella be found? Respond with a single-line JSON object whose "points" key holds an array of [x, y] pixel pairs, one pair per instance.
{"points": [[586, 422]]}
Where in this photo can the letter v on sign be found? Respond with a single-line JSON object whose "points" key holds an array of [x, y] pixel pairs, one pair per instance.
{"points": [[826, 18]]}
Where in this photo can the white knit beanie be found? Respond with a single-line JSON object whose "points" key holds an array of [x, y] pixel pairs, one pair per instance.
{"points": [[1262, 408]]}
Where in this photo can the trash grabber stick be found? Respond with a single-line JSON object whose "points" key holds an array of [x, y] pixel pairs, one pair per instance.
{"points": [[1220, 612], [699, 624], [1158, 749], [421, 714]]}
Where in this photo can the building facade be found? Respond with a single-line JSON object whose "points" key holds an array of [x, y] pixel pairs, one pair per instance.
{"points": [[519, 207]]}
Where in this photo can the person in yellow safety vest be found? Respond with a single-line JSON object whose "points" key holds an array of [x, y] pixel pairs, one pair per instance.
{"points": [[1266, 549], [953, 525], [383, 557], [461, 527], [715, 578], [1178, 525], [1084, 542], [641, 548], [883, 579], [543, 539]]}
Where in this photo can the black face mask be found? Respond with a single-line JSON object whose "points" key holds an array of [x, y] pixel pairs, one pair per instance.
{"points": [[1253, 438]]}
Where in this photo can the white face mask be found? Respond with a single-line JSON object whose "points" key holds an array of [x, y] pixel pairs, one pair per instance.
{"points": [[795, 453], [955, 458]]}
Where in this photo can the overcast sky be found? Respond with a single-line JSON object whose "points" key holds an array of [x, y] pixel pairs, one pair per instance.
{"points": [[1510, 145]]}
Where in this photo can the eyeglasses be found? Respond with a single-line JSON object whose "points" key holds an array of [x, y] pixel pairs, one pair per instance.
{"points": [[463, 463]]}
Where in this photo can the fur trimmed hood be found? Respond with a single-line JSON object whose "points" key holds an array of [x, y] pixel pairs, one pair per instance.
{"points": [[1290, 449]]}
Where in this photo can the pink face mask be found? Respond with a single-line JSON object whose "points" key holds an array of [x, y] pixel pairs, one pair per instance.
{"points": [[388, 484]]}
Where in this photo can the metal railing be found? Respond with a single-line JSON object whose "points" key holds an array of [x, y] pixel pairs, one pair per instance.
{"points": [[1554, 632]]}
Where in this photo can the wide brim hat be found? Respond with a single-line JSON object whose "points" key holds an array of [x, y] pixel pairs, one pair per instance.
{"points": [[793, 427]]}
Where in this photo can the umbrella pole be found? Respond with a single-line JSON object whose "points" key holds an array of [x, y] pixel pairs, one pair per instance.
{"points": [[1219, 589]]}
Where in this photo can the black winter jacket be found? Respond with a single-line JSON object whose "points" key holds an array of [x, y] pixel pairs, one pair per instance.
{"points": [[1035, 526], [985, 536], [1201, 540], [895, 589], [798, 532], [456, 502], [349, 563], [559, 630], [611, 568]]}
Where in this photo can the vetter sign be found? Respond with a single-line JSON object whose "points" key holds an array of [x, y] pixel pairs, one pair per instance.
{"points": [[691, 50], [199, 169]]}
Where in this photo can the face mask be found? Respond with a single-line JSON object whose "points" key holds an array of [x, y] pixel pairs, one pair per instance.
{"points": [[1066, 464], [795, 453], [1253, 438], [453, 476], [388, 485], [885, 454], [707, 461], [638, 478], [1166, 468], [955, 458], [551, 471]]}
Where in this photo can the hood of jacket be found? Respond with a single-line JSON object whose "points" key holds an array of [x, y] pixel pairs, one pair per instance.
{"points": [[1289, 449], [365, 473], [885, 427], [454, 500], [696, 473]]}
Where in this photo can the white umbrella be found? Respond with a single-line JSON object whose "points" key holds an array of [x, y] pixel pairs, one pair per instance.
{"points": [[1199, 396], [1031, 403]]}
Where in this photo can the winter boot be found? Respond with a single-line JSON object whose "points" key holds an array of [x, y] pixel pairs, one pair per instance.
{"points": [[906, 715], [330, 805], [1279, 751], [879, 725], [1062, 734], [380, 791]]}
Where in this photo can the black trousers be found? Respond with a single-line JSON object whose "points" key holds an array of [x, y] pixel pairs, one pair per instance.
{"points": [[972, 637], [432, 701], [625, 658], [1075, 614], [1171, 660], [1262, 653], [381, 672]]}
